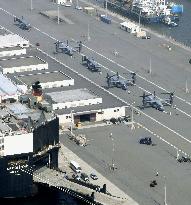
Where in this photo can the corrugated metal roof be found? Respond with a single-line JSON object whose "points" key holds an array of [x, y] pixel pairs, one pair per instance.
{"points": [[18, 108], [72, 95], [11, 40]]}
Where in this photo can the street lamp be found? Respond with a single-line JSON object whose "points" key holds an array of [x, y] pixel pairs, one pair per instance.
{"points": [[31, 5], [113, 150], [89, 32], [150, 66], [186, 86], [165, 203], [58, 13], [71, 126], [106, 7], [139, 19], [132, 117]]}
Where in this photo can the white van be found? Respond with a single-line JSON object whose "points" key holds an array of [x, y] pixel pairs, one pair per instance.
{"points": [[75, 167]]}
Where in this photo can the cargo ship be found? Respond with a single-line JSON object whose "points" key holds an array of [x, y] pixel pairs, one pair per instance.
{"points": [[146, 11], [29, 138]]}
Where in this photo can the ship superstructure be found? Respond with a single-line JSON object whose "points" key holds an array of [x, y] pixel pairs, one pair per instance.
{"points": [[147, 11]]}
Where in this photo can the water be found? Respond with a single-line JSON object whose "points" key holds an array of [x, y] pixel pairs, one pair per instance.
{"points": [[182, 33]]}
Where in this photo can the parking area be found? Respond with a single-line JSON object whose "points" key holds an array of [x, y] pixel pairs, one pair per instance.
{"points": [[116, 153]]}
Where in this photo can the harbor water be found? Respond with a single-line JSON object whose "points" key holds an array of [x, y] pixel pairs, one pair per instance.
{"points": [[182, 32]]}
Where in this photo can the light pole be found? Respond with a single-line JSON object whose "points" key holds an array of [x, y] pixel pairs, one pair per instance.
{"points": [[106, 7], [139, 19], [58, 14], [31, 5], [89, 32], [132, 116], [150, 66], [177, 154], [113, 150], [186, 86], [165, 191], [71, 127]]}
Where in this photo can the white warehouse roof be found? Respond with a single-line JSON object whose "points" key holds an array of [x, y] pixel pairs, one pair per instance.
{"points": [[71, 95], [10, 40]]}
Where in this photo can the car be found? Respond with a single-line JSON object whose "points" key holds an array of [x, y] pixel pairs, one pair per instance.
{"points": [[78, 8], [93, 176], [146, 37], [146, 140], [76, 176], [84, 177]]}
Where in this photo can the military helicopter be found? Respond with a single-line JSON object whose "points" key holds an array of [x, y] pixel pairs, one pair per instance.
{"points": [[151, 100], [116, 81], [91, 64], [62, 47], [22, 23]]}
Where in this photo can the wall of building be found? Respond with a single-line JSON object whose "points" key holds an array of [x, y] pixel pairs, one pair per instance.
{"points": [[13, 52], [106, 114], [8, 97], [77, 103], [57, 84], [18, 144], [43, 66], [45, 135]]}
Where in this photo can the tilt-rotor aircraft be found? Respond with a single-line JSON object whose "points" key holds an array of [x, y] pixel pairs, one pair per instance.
{"points": [[151, 100]]}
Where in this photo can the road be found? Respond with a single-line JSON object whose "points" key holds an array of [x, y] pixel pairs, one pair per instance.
{"points": [[170, 70]]}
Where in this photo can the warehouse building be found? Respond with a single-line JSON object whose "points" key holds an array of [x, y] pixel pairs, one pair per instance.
{"points": [[13, 40], [12, 51], [47, 79], [22, 64], [82, 105]]}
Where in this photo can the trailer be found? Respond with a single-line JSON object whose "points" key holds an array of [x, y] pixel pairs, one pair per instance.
{"points": [[130, 27]]}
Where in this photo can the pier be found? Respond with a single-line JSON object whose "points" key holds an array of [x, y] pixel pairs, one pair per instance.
{"points": [[57, 180]]}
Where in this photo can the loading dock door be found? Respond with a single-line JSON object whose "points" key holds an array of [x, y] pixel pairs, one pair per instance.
{"points": [[91, 117]]}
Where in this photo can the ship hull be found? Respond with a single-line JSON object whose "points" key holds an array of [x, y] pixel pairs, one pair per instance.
{"points": [[16, 171]]}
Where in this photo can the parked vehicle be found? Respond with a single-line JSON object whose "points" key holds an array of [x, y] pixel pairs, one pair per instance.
{"points": [[146, 140], [76, 176], [93, 176], [75, 167], [84, 177]]}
